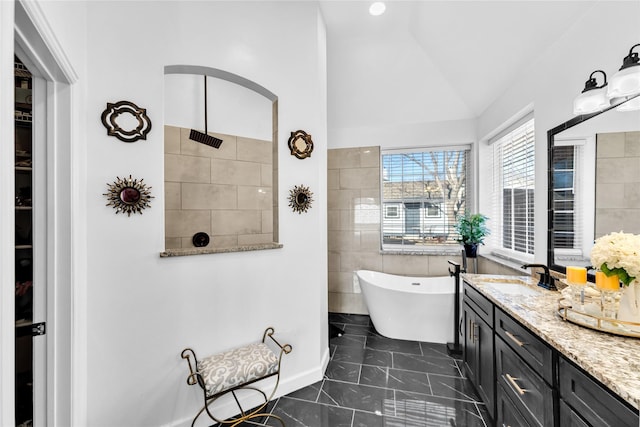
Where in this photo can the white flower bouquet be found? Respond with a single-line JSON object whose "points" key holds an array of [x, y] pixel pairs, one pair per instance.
{"points": [[618, 253]]}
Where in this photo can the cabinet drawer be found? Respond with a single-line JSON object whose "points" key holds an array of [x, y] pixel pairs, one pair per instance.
{"points": [[596, 404], [480, 304], [568, 418], [526, 389], [507, 413], [528, 346]]}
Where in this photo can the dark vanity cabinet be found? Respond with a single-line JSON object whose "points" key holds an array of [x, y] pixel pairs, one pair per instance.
{"points": [[478, 345], [585, 402], [525, 382], [524, 373]]}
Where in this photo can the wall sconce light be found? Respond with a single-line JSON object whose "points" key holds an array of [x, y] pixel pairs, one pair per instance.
{"points": [[627, 80], [593, 97], [377, 8], [633, 104], [624, 84]]}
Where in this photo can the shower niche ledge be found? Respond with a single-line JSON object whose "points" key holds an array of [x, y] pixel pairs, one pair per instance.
{"points": [[203, 251]]}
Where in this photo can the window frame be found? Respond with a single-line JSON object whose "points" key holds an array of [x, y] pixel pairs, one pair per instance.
{"points": [[388, 207], [496, 240], [440, 239]]}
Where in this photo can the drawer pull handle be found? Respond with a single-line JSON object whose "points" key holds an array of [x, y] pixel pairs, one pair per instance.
{"points": [[514, 339], [515, 385]]}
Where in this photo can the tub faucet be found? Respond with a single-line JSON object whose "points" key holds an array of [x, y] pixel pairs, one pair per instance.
{"points": [[546, 279]]}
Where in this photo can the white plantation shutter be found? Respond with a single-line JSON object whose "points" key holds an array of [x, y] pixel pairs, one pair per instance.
{"points": [[513, 161]]}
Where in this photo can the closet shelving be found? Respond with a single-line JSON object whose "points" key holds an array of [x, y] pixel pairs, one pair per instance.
{"points": [[23, 244]]}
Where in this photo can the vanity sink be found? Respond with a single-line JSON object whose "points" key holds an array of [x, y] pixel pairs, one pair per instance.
{"points": [[509, 280], [516, 287]]}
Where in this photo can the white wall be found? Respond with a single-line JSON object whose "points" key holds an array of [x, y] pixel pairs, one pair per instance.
{"points": [[405, 135], [600, 39], [231, 109], [140, 310]]}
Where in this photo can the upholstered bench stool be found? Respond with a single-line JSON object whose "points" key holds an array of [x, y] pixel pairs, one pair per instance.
{"points": [[233, 370]]}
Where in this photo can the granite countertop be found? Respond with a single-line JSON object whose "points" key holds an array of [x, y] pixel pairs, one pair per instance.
{"points": [[613, 360]]}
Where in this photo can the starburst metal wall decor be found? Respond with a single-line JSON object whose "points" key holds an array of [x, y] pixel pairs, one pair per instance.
{"points": [[128, 195], [300, 198]]}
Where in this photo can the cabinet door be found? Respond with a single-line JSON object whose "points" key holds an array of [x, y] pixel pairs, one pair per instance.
{"points": [[485, 375], [507, 415], [595, 404], [568, 418], [533, 397], [469, 351], [478, 357]]}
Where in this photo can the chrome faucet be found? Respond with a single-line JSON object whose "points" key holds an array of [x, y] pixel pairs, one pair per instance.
{"points": [[546, 279]]}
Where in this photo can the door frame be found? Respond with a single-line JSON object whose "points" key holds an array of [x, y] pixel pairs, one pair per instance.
{"points": [[25, 27]]}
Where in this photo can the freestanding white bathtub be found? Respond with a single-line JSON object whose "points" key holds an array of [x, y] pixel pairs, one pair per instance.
{"points": [[410, 308]]}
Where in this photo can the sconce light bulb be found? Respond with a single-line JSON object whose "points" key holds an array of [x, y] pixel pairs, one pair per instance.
{"points": [[377, 8]]}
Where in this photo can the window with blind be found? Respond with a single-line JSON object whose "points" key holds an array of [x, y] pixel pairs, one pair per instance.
{"points": [[513, 191], [423, 191]]}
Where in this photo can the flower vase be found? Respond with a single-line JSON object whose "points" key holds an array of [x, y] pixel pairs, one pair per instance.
{"points": [[629, 310]]}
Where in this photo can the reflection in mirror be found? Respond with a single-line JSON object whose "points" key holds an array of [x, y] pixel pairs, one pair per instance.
{"points": [[301, 199], [300, 144], [130, 195], [594, 169]]}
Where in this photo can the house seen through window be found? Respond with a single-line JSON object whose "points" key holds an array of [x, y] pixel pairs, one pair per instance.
{"points": [[423, 191]]}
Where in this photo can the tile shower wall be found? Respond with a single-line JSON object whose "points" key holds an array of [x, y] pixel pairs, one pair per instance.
{"points": [[617, 182], [354, 229], [226, 192]]}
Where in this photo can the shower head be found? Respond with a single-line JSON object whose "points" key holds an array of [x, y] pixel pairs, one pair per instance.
{"points": [[205, 138]]}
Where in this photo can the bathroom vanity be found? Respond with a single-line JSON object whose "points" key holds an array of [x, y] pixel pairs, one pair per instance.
{"points": [[531, 368]]}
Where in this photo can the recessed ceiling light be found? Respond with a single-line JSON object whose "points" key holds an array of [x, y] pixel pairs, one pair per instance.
{"points": [[377, 8]]}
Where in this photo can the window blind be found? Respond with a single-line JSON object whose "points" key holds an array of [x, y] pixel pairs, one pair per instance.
{"points": [[513, 158], [568, 234]]}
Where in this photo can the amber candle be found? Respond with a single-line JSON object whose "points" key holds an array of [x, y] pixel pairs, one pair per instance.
{"points": [[576, 276], [607, 283]]}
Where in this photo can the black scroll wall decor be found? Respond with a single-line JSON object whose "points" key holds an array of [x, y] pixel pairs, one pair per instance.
{"points": [[120, 120]]}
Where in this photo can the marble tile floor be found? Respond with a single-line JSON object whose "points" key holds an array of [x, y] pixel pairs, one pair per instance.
{"points": [[373, 381]]}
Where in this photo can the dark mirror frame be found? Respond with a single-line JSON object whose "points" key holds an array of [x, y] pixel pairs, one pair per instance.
{"points": [[550, 140]]}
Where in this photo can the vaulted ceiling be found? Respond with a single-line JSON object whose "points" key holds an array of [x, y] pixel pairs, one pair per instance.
{"points": [[430, 61]]}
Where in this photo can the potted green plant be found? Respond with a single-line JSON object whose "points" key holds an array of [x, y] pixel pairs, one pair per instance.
{"points": [[472, 230]]}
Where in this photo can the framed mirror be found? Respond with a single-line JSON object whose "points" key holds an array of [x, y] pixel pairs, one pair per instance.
{"points": [[126, 121], [300, 144], [593, 182]]}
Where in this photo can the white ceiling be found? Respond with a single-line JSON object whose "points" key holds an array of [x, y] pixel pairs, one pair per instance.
{"points": [[431, 61]]}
